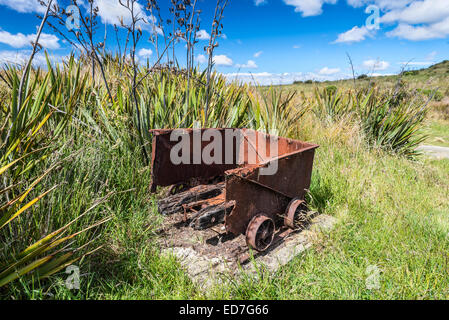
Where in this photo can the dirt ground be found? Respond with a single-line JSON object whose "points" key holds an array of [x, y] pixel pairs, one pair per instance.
{"points": [[217, 247]]}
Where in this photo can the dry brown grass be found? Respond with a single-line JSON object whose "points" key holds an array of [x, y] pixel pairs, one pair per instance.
{"points": [[440, 109]]}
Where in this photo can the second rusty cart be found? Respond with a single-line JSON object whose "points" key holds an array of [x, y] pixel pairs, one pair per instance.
{"points": [[252, 188]]}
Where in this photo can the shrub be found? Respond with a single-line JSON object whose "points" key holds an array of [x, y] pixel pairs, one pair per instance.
{"points": [[434, 94], [276, 112], [389, 121], [438, 96], [410, 73], [390, 126], [331, 90], [29, 133], [331, 104]]}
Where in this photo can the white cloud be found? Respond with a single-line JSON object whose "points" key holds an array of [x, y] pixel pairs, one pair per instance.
{"points": [[20, 40], [22, 56], [24, 6], [437, 30], [223, 60], [296, 46], [426, 11], [203, 35], [111, 12], [266, 78], [376, 65], [259, 2], [414, 20], [249, 65], [315, 7], [381, 74], [19, 57], [409, 32], [431, 56], [329, 71], [201, 58], [309, 7], [258, 54], [248, 74], [145, 53], [262, 78], [417, 63], [356, 34], [382, 4]]}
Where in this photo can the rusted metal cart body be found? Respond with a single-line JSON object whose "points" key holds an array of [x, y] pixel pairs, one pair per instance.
{"points": [[265, 177]]}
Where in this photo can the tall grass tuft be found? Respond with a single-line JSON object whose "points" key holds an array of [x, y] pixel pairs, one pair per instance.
{"points": [[390, 121], [332, 104], [28, 139], [392, 126], [276, 111]]}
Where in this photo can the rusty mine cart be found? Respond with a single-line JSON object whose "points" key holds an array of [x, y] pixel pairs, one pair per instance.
{"points": [[236, 192]]}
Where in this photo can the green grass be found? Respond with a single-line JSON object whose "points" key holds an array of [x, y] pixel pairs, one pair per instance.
{"points": [[128, 265], [384, 220], [438, 133]]}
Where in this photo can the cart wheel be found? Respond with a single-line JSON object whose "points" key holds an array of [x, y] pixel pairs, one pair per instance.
{"points": [[260, 232], [294, 210]]}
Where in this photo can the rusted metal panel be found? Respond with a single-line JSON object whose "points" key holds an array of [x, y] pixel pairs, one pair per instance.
{"points": [[251, 199], [293, 176], [166, 173]]}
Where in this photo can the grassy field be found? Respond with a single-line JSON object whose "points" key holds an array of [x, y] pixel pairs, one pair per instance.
{"points": [[392, 213], [438, 132], [392, 207], [432, 78]]}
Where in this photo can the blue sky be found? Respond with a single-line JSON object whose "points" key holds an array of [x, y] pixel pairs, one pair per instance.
{"points": [[276, 41]]}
